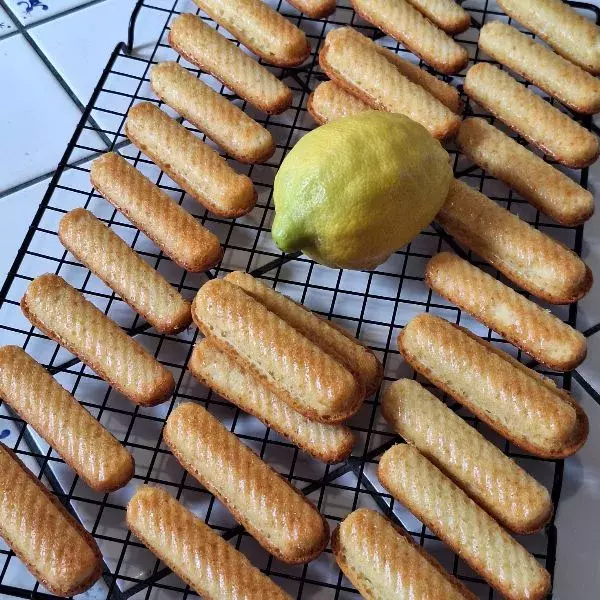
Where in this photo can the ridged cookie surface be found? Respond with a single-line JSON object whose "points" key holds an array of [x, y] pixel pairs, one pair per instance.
{"points": [[446, 14], [260, 28], [201, 557], [81, 441], [358, 66], [56, 549], [329, 101], [548, 189], [316, 9], [519, 320], [177, 233], [500, 486], [533, 260], [558, 77], [229, 377], [384, 562], [204, 47], [551, 130], [274, 512], [101, 250], [402, 21], [521, 405], [341, 345], [469, 531], [194, 165], [561, 27], [298, 371], [222, 121], [64, 315]]}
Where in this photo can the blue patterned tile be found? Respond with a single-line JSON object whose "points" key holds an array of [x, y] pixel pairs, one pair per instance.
{"points": [[30, 11]]}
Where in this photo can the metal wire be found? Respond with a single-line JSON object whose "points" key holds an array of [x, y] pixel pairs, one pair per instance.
{"points": [[373, 305]]}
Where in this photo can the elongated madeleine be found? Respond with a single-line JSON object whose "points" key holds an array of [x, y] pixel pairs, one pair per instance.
{"points": [[519, 320], [558, 77], [183, 239], [507, 492], [230, 378], [223, 122], [260, 28], [196, 167], [362, 70], [341, 345], [113, 261], [548, 189], [446, 14], [329, 101], [439, 89], [533, 260], [299, 372], [383, 561], [201, 557], [528, 114], [402, 21], [81, 441], [210, 51], [469, 531], [64, 315], [274, 512], [521, 405], [316, 9], [561, 27], [53, 546]]}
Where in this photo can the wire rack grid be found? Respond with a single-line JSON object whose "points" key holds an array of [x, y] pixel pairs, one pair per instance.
{"points": [[374, 305]]}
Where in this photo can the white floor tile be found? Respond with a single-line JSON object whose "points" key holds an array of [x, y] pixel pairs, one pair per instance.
{"points": [[38, 117], [17, 211], [79, 44], [6, 24], [30, 11]]}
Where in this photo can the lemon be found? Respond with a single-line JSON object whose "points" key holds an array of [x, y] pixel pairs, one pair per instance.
{"points": [[352, 192]]}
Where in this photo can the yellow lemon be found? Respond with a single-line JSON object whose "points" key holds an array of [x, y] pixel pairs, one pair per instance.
{"points": [[352, 192]]}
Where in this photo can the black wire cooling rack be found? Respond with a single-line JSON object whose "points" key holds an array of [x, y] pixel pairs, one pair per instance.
{"points": [[373, 305]]}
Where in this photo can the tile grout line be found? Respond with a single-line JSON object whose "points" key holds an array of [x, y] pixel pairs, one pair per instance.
{"points": [[43, 21], [22, 186], [57, 76]]}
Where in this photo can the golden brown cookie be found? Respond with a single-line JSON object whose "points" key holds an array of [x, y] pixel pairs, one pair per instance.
{"points": [[316, 9], [542, 124], [261, 29], [495, 481], [186, 159], [274, 512], [466, 528], [222, 121], [81, 441], [210, 51], [104, 253], [177, 233], [446, 14], [383, 561], [548, 189], [191, 549], [520, 404], [402, 21], [335, 341], [298, 371], [569, 33], [230, 378], [519, 320], [53, 546], [528, 257], [360, 68], [64, 315], [329, 101], [558, 77]]}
